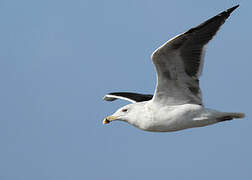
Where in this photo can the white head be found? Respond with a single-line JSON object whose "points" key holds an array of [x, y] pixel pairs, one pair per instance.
{"points": [[130, 113]]}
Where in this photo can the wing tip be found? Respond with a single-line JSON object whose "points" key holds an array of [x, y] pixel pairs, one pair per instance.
{"points": [[230, 10], [108, 97]]}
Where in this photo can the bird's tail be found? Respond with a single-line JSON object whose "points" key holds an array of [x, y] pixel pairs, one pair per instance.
{"points": [[230, 116]]}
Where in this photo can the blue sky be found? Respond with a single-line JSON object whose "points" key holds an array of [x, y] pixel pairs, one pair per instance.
{"points": [[58, 59]]}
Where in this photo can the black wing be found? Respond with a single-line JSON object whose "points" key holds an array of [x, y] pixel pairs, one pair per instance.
{"points": [[128, 96]]}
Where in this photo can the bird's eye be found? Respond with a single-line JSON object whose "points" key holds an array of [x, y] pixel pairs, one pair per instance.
{"points": [[124, 110]]}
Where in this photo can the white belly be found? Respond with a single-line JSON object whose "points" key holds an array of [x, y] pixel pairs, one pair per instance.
{"points": [[179, 117]]}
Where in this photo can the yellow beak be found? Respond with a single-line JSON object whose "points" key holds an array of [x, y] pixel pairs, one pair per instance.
{"points": [[109, 119]]}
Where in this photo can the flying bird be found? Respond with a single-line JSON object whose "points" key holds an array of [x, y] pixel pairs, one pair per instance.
{"points": [[177, 101]]}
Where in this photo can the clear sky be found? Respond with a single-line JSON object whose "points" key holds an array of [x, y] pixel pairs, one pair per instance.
{"points": [[59, 58]]}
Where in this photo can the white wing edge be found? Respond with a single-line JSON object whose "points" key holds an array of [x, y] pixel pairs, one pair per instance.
{"points": [[109, 97], [202, 59]]}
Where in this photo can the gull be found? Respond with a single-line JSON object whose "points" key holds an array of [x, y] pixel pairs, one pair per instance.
{"points": [[177, 101]]}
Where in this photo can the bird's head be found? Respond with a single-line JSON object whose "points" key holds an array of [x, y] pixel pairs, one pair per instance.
{"points": [[130, 113], [122, 114]]}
